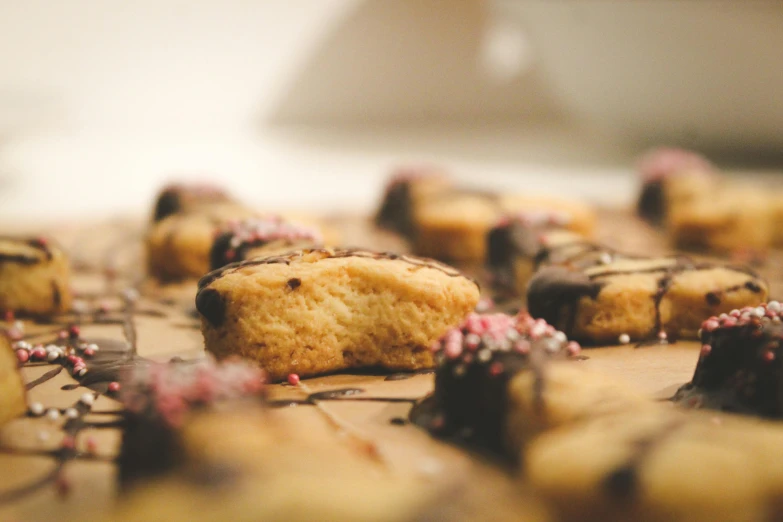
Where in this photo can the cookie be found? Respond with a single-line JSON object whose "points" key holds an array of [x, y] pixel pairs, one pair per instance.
{"points": [[178, 247], [407, 188], [34, 277], [161, 398], [454, 225], [186, 197], [519, 245], [671, 178], [260, 237], [315, 311], [475, 362], [739, 366], [639, 299], [12, 390], [725, 220]]}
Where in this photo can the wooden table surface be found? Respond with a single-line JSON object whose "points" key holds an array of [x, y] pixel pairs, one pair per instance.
{"points": [[91, 485]]}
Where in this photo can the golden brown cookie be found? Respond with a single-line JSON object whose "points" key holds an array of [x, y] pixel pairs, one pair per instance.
{"points": [[454, 225], [178, 246], [672, 178], [317, 311], [186, 197], [34, 277], [640, 299], [406, 189]]}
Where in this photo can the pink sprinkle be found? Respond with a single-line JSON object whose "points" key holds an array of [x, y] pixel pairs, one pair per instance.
{"points": [[72, 359], [662, 336], [452, 350], [573, 348], [38, 353], [293, 379], [9, 316], [705, 350], [495, 369], [68, 442], [89, 352], [729, 322], [14, 334], [74, 331], [91, 445], [710, 324], [62, 334], [522, 346], [769, 356], [114, 387], [23, 356], [735, 314]]}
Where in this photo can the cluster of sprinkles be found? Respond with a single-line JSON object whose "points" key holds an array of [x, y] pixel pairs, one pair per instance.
{"points": [[479, 337], [755, 317], [69, 351], [264, 230], [169, 390]]}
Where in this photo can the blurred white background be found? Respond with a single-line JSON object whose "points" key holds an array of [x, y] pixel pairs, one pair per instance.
{"points": [[302, 103]]}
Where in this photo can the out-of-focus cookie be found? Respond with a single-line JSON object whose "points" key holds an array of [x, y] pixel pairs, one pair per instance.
{"points": [[671, 178], [454, 225], [12, 390], [163, 403], [315, 311], [404, 191], [186, 197], [260, 237], [34, 277], [739, 367], [178, 247], [729, 219], [639, 299]]}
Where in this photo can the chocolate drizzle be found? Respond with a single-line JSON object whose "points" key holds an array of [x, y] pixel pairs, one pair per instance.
{"points": [[651, 205], [554, 292], [297, 256], [38, 244]]}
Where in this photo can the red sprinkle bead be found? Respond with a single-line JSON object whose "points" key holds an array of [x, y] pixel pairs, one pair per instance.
{"points": [[293, 379], [769, 356], [72, 359], [38, 353], [9, 316], [89, 352], [62, 334], [23, 356], [68, 442], [74, 331], [495, 369], [114, 386], [91, 445]]}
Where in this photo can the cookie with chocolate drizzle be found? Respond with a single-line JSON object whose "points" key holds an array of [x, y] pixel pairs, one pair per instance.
{"points": [[177, 198], [12, 390], [322, 310], [596, 295], [406, 188], [35, 276]]}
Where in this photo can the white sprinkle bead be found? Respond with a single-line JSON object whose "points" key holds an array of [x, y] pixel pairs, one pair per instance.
{"points": [[560, 337], [82, 372], [51, 348], [774, 306], [87, 398], [19, 325], [43, 436], [624, 338], [131, 294], [36, 408], [71, 413], [759, 311], [605, 258], [53, 356], [52, 414], [92, 346], [484, 355]]}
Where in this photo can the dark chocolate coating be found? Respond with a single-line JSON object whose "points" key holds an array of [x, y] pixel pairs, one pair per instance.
{"points": [[23, 259], [396, 212], [169, 202], [555, 290], [735, 376], [211, 305], [651, 205]]}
